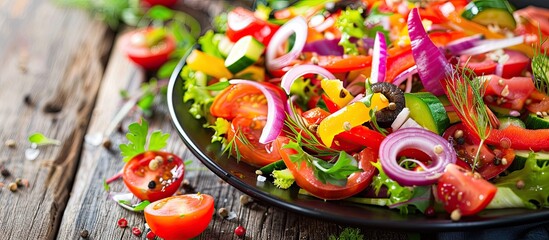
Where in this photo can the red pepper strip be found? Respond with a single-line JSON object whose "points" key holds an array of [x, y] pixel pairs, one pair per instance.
{"points": [[364, 136], [331, 105], [520, 138], [348, 64], [397, 63]]}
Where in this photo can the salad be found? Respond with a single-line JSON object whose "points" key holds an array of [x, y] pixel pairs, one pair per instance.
{"points": [[433, 105]]}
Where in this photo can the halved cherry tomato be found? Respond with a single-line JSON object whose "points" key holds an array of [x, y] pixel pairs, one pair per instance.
{"points": [[242, 100], [515, 90], [251, 150], [516, 64], [242, 22], [305, 177], [148, 55], [180, 217], [455, 190], [480, 64], [153, 184], [490, 160]]}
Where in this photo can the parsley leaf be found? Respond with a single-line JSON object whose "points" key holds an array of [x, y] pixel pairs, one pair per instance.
{"points": [[137, 136], [326, 172], [41, 140], [348, 234]]}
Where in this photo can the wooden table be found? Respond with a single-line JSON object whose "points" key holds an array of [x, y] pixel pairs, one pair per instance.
{"points": [[61, 72]]}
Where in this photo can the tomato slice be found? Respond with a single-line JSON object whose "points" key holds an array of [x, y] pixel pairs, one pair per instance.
{"points": [[153, 184], [305, 177], [242, 22], [250, 149], [148, 57], [516, 64], [490, 163], [180, 217], [459, 189], [480, 64], [515, 91]]}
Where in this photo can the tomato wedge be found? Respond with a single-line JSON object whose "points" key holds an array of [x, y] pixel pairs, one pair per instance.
{"points": [[180, 217], [455, 191], [134, 44], [155, 183], [305, 177], [250, 149], [514, 91], [242, 22]]}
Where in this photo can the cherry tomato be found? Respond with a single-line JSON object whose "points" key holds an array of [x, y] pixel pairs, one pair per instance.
{"points": [[148, 47], [242, 22], [480, 64], [515, 91], [250, 149], [305, 177], [490, 163], [180, 217], [455, 191], [516, 64], [242, 100], [145, 183], [167, 3]]}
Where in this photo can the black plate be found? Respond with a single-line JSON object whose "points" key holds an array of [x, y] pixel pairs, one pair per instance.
{"points": [[242, 177]]}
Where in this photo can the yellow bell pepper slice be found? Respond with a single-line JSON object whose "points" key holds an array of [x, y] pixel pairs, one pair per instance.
{"points": [[350, 116], [253, 72], [210, 65], [336, 92]]}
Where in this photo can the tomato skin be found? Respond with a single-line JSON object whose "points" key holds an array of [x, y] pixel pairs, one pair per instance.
{"points": [[516, 64], [305, 178], [137, 175], [467, 149], [254, 153], [180, 217], [455, 190], [518, 90], [148, 58], [242, 22], [243, 100], [480, 64], [167, 3]]}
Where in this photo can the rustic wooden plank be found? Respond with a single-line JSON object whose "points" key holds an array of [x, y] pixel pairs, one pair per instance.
{"points": [[54, 58]]}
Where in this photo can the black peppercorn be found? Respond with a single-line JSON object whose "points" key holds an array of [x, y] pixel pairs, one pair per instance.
{"points": [[152, 185]]}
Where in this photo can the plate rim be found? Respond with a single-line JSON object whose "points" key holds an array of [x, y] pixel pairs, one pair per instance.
{"points": [[437, 225]]}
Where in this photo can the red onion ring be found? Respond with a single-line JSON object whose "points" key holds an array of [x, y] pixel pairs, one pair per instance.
{"points": [[420, 139], [379, 59], [275, 112], [296, 25], [485, 46], [300, 70], [463, 43], [401, 77]]}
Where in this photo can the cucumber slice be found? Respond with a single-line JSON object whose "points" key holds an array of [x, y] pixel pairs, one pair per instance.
{"points": [[225, 45], [485, 12], [269, 168], [452, 115], [505, 122], [521, 156], [427, 110], [500, 111], [245, 52], [534, 121]]}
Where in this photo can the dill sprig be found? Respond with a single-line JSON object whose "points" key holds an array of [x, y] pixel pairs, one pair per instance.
{"points": [[231, 146], [540, 67], [465, 92], [296, 127]]}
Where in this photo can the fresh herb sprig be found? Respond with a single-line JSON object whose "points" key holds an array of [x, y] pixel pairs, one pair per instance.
{"points": [[348, 234], [465, 92], [41, 140], [138, 137], [540, 67]]}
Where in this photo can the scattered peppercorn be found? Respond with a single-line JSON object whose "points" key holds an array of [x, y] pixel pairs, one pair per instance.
{"points": [[28, 100], [240, 231], [5, 172], [107, 144], [10, 143], [19, 182], [136, 231], [84, 233], [152, 185], [223, 212], [455, 215], [170, 158], [122, 223], [151, 235], [12, 186], [430, 211]]}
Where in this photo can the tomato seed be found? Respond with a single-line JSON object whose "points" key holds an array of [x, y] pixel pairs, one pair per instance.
{"points": [[122, 222], [136, 231], [240, 231], [151, 235]]}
